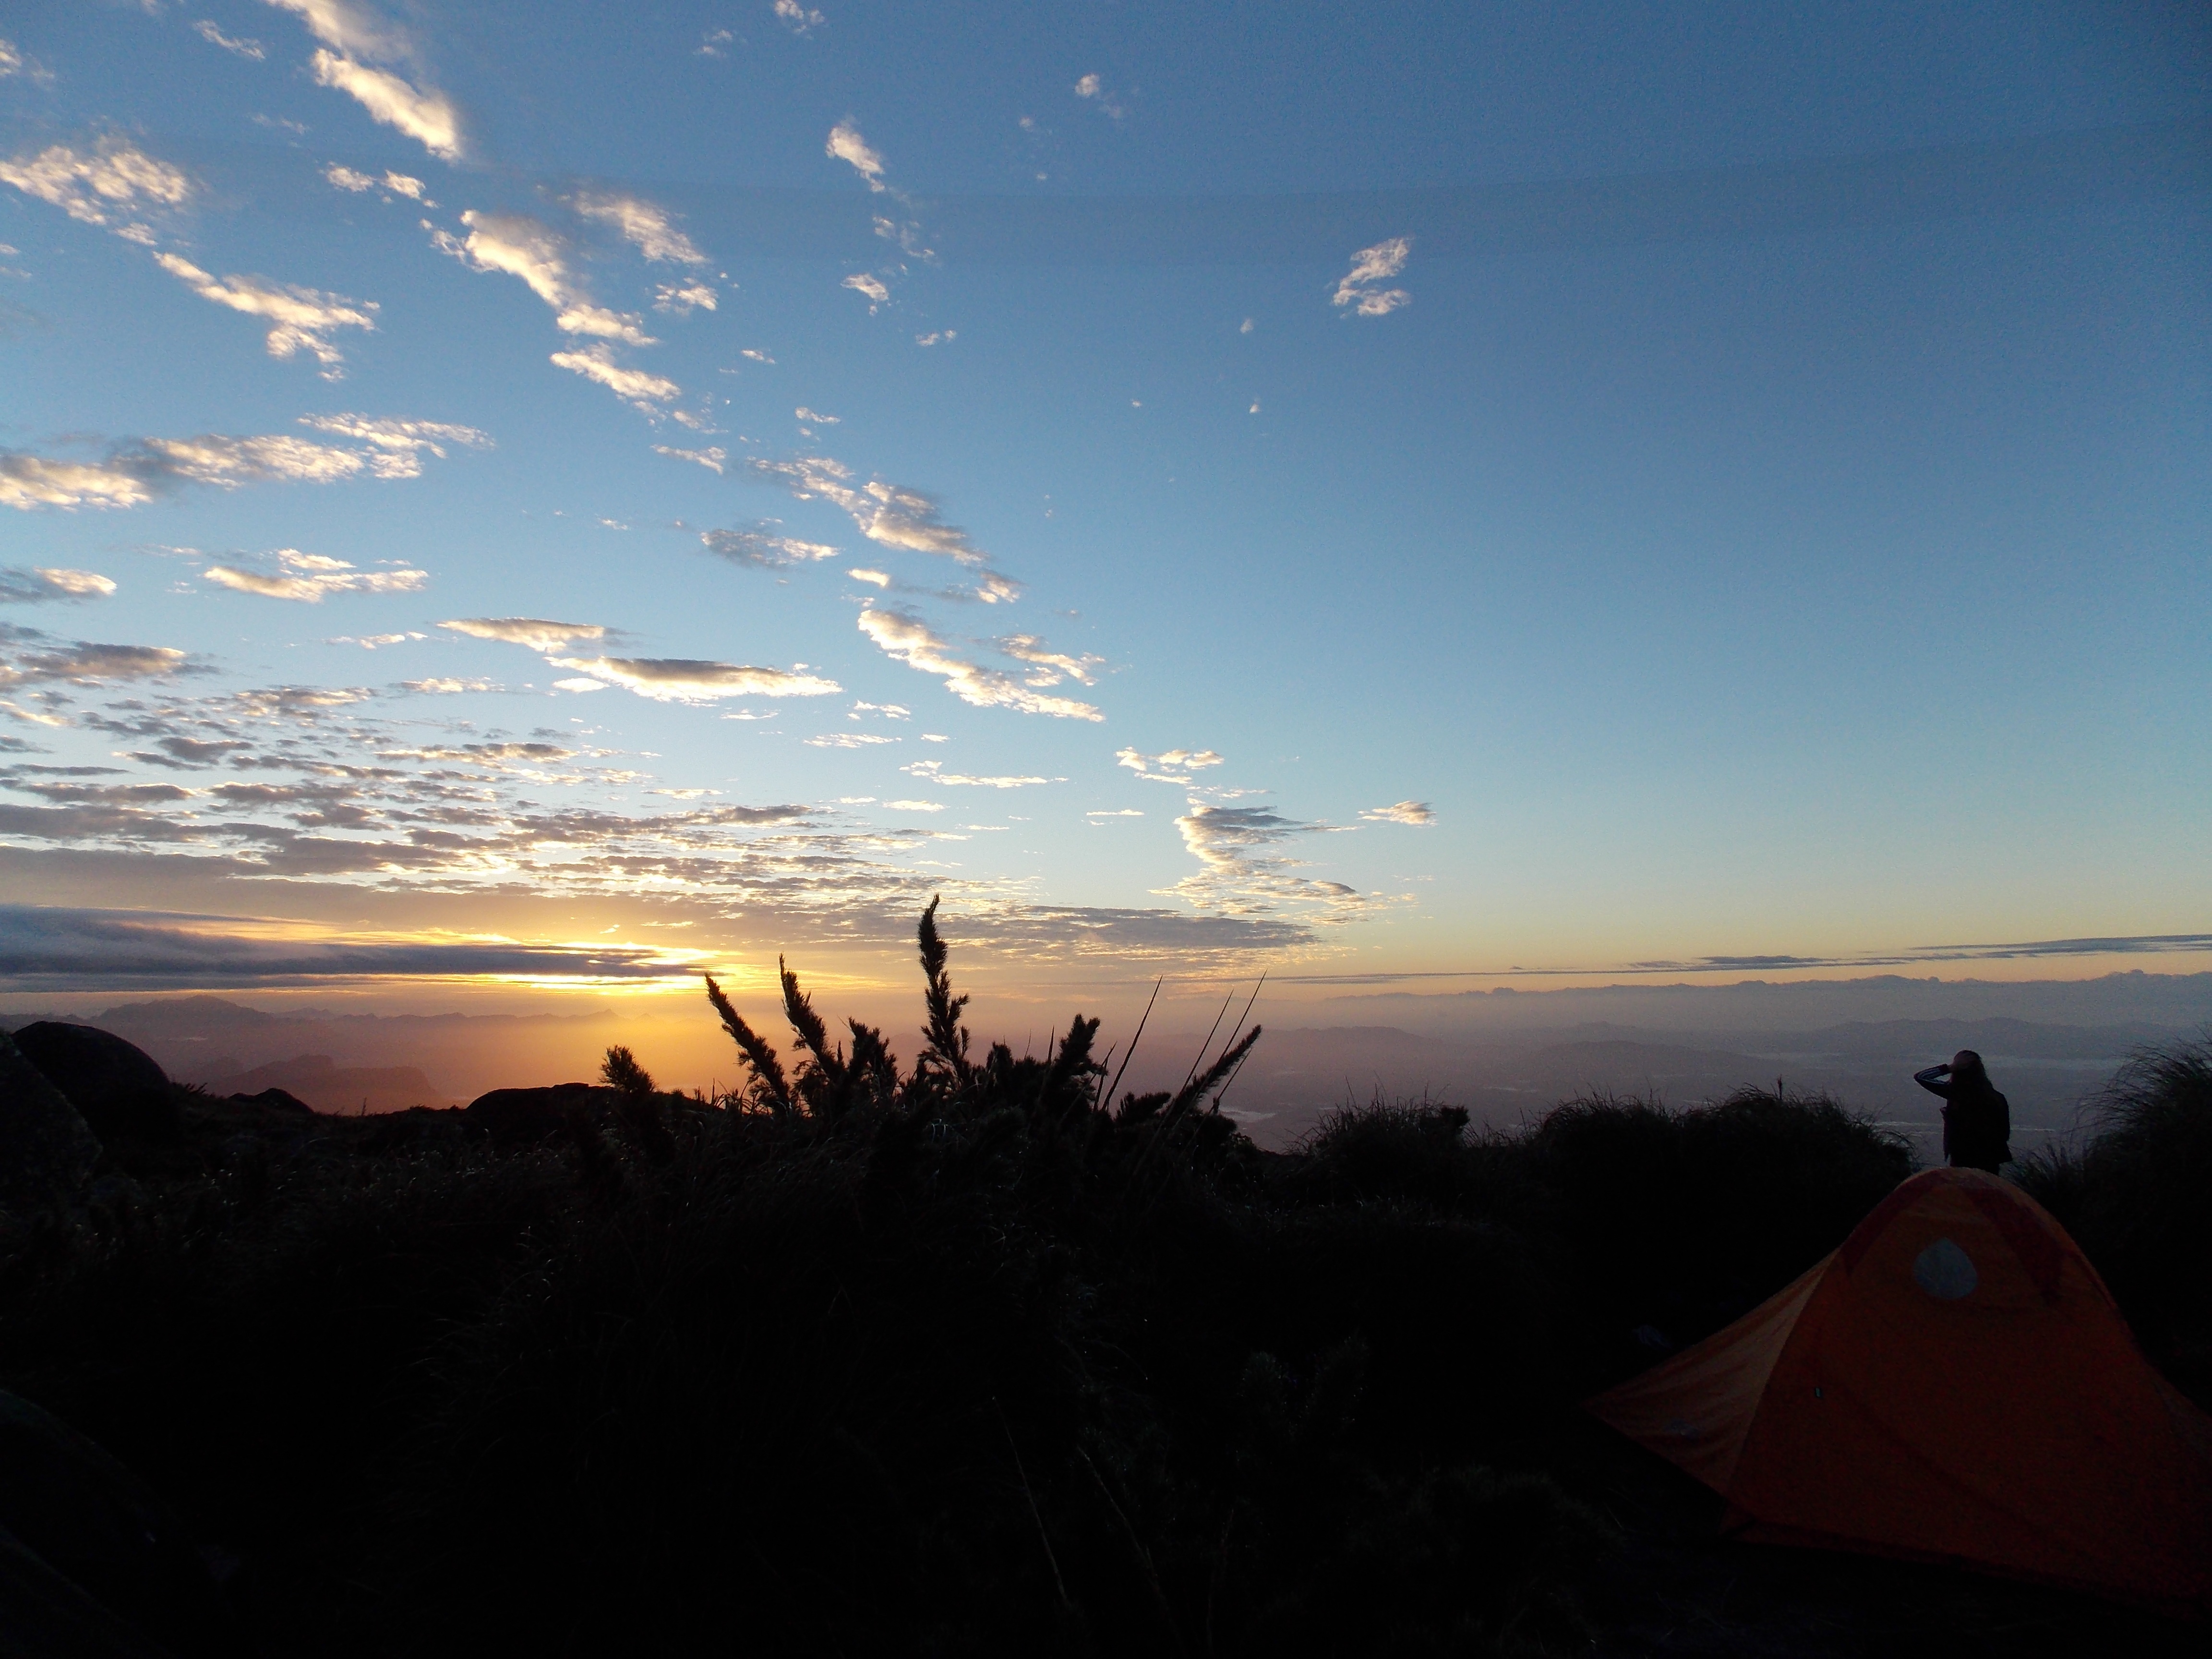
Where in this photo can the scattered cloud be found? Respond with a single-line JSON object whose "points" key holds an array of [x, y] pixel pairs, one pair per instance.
{"points": [[682, 299], [945, 336], [934, 772], [850, 740], [371, 641], [299, 319], [711, 44], [1176, 766], [757, 357], [400, 184], [39, 586], [1123, 813], [519, 246], [907, 639], [396, 446], [799, 19], [847, 145], [713, 459], [915, 805], [208, 32], [807, 415], [446, 687], [28, 657], [310, 578], [1241, 870], [648, 226], [1049, 667], [889, 516], [534, 632], [426, 115], [227, 462], [873, 578], [114, 178], [597, 362], [1405, 811], [872, 287], [132, 474], [687, 679], [761, 548], [1361, 289], [33, 480], [1091, 88]]}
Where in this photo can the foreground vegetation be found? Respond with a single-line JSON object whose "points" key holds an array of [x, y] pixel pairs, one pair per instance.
{"points": [[962, 1358]]}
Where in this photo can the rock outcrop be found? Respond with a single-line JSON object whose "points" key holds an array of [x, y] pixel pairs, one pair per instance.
{"points": [[117, 1086], [47, 1150]]}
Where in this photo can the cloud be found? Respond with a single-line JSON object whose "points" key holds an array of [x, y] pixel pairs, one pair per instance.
{"points": [[400, 184], [208, 32], [644, 224], [426, 115], [945, 335], [759, 547], [934, 772], [396, 446], [850, 740], [1371, 267], [907, 639], [32, 481], [1049, 665], [1175, 766], [873, 578], [92, 187], [519, 246], [28, 657], [228, 462], [78, 948], [686, 679], [846, 144], [310, 577], [712, 459], [11, 60], [1092, 88], [597, 362], [797, 18], [444, 687], [757, 357], [872, 287], [300, 318], [1122, 812], [1405, 811], [889, 516], [682, 299], [535, 632], [36, 586], [915, 805], [1239, 871], [812, 419]]}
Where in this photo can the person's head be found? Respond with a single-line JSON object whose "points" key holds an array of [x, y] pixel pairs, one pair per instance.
{"points": [[1966, 1067]]}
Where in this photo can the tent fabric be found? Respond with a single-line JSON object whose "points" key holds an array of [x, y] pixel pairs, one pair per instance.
{"points": [[1954, 1383]]}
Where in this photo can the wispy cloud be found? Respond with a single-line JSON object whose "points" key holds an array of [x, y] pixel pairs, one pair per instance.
{"points": [[763, 549], [299, 319], [535, 632], [812, 419], [682, 299], [713, 459], [847, 145], [934, 772], [1094, 90], [1361, 289], [133, 473], [310, 578], [400, 184], [1241, 870], [889, 516], [43, 585], [688, 679], [251, 50], [644, 390], [1176, 766], [357, 38], [1405, 811], [519, 246], [905, 638], [872, 287], [28, 657], [1049, 667], [645, 225], [850, 740], [396, 446]]}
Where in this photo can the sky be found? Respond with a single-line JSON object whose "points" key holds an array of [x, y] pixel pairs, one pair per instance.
{"points": [[532, 496]]}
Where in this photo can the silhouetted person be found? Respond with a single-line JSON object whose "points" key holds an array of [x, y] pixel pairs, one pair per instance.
{"points": [[1977, 1119]]}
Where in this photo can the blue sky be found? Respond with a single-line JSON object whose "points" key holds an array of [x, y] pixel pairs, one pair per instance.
{"points": [[1561, 489]]}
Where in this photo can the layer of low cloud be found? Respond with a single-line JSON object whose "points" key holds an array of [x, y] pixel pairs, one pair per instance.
{"points": [[906, 638]]}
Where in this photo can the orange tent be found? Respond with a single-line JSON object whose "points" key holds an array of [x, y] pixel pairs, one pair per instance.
{"points": [[1953, 1384]]}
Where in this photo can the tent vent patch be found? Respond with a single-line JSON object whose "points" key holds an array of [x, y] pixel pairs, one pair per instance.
{"points": [[1945, 1272]]}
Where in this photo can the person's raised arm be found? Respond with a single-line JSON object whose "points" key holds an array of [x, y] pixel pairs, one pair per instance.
{"points": [[1934, 1079]]}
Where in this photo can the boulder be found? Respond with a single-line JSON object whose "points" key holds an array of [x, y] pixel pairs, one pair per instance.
{"points": [[46, 1148], [117, 1086], [529, 1114], [279, 1099]]}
